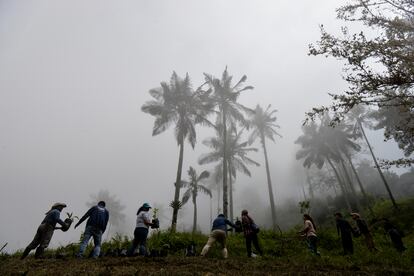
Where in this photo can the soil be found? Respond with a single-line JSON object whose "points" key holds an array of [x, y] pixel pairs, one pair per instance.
{"points": [[179, 266]]}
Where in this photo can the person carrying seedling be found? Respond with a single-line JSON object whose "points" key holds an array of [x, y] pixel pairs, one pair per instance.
{"points": [[98, 217], [45, 231], [250, 230], [141, 230], [309, 231], [219, 234], [345, 231]]}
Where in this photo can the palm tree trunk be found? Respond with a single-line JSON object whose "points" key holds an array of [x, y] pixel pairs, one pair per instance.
{"points": [[225, 188], [176, 206], [231, 195], [345, 194], [350, 184], [311, 193], [378, 167], [269, 183], [195, 215], [360, 185], [218, 198]]}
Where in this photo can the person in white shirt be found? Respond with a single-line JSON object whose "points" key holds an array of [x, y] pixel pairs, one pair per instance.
{"points": [[141, 231], [309, 231]]}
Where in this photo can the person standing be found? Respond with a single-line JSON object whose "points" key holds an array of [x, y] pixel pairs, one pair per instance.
{"points": [[395, 236], [309, 231], [98, 217], [45, 231], [141, 231], [219, 234], [250, 231], [345, 231], [364, 230]]}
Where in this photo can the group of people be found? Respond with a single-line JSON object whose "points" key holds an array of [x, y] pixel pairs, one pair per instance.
{"points": [[346, 233], [98, 217], [219, 234]]}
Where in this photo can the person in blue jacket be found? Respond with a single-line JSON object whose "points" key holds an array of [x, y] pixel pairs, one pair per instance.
{"points": [[218, 233], [98, 217]]}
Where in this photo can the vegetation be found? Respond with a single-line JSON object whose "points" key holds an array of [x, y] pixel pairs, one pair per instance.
{"points": [[284, 251], [263, 123], [177, 103], [379, 69]]}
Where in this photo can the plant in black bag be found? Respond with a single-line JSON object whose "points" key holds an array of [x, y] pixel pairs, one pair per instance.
{"points": [[155, 221]]}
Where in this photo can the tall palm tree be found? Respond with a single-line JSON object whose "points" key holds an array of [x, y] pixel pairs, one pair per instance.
{"points": [[264, 126], [357, 115], [193, 188], [225, 96], [236, 154], [316, 151], [177, 103]]}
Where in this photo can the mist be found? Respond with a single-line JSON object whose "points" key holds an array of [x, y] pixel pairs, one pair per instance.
{"points": [[73, 78]]}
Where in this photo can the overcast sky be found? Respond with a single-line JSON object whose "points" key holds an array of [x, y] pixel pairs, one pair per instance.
{"points": [[74, 74]]}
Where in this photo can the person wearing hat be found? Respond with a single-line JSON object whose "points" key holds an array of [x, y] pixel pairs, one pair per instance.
{"points": [[141, 231], [364, 230], [45, 231], [218, 233], [98, 217]]}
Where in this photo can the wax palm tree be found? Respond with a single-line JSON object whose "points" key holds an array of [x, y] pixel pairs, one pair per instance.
{"points": [[177, 103], [359, 116], [316, 151], [193, 188], [225, 96], [264, 126], [237, 159]]}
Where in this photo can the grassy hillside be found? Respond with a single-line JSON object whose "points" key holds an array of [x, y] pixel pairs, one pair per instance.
{"points": [[284, 253]]}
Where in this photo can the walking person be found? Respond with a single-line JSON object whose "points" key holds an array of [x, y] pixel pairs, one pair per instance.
{"points": [[219, 234], [345, 231], [45, 231], [98, 217], [141, 231], [250, 231], [364, 230], [309, 231]]}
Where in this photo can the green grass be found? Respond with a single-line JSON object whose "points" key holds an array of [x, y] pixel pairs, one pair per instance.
{"points": [[283, 252]]}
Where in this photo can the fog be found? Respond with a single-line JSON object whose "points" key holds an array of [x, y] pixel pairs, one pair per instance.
{"points": [[74, 75]]}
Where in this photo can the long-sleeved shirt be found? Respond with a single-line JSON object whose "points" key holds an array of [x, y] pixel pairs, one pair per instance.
{"points": [[53, 217], [220, 224], [362, 226], [98, 217], [343, 227], [247, 222]]}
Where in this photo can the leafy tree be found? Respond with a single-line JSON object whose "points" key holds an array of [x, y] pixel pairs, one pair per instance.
{"points": [[225, 96], [263, 123], [115, 208], [379, 69], [193, 188], [177, 103]]}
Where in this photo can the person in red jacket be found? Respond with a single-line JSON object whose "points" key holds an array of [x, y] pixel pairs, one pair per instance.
{"points": [[250, 230]]}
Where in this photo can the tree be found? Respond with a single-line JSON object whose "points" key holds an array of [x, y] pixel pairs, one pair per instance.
{"points": [[379, 70], [315, 150], [236, 154], [193, 188], [225, 96], [115, 208], [264, 126], [177, 103]]}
